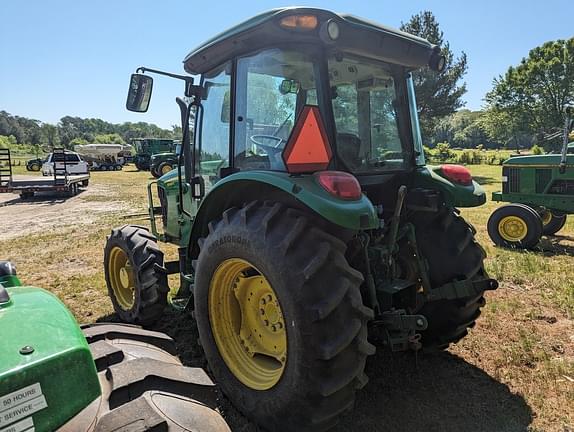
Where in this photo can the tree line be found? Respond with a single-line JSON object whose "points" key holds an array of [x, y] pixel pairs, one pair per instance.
{"points": [[75, 130], [524, 108]]}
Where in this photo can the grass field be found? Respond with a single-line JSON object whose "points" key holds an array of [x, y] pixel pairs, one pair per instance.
{"points": [[514, 372]]}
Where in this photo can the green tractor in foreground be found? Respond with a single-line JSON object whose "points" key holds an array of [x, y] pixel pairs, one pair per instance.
{"points": [[56, 375], [309, 229], [540, 190], [147, 147]]}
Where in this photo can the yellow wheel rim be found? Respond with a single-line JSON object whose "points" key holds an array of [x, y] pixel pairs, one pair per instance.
{"points": [[247, 324], [546, 217], [122, 278], [165, 169], [512, 228]]}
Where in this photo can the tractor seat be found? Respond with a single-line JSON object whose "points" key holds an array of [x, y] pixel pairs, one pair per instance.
{"points": [[349, 148]]}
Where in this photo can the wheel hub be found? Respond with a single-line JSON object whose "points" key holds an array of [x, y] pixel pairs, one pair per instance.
{"points": [[247, 324], [122, 279], [512, 228]]}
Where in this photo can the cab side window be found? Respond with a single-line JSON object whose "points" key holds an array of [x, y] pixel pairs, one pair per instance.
{"points": [[214, 142]]}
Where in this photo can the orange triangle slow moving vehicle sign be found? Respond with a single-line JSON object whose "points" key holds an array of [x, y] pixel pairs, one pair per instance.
{"points": [[308, 148]]}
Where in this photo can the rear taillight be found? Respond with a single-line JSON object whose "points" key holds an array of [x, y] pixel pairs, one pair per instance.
{"points": [[457, 174], [340, 184]]}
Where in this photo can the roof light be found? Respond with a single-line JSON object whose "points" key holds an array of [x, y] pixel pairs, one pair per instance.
{"points": [[308, 148], [299, 22], [340, 184], [333, 30], [457, 174]]}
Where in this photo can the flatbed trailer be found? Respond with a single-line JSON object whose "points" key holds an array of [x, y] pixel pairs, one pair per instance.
{"points": [[26, 186]]}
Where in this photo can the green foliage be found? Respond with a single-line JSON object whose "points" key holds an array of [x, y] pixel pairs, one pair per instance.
{"points": [[443, 151], [438, 94], [537, 150], [530, 98], [77, 141], [113, 138], [76, 130], [10, 142]]}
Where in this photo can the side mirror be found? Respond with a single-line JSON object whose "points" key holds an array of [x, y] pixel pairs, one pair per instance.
{"points": [[139, 93]]}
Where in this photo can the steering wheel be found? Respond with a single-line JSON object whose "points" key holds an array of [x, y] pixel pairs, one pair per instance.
{"points": [[272, 149]]}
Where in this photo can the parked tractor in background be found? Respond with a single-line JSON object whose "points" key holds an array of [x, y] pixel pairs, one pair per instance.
{"points": [[34, 164], [145, 148], [56, 375], [308, 226], [162, 163], [540, 190]]}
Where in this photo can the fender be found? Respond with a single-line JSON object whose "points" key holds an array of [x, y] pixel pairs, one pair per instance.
{"points": [[455, 195], [300, 191]]}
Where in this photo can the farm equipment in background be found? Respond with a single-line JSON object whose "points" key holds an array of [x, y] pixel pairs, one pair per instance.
{"points": [[34, 164], [308, 226], [104, 157], [145, 148], [540, 190], [61, 175], [162, 163], [56, 375]]}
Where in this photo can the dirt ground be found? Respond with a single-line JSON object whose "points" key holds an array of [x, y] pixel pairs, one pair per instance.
{"points": [[514, 372], [46, 213]]}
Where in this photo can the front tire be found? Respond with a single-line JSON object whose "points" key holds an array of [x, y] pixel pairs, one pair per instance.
{"points": [[272, 253], [138, 292], [164, 168], [515, 226]]}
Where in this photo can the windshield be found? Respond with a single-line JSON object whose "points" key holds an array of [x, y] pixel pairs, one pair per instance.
{"points": [[364, 98]]}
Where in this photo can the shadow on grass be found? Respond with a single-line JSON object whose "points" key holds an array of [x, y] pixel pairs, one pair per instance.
{"points": [[42, 198], [484, 180], [436, 392], [552, 246]]}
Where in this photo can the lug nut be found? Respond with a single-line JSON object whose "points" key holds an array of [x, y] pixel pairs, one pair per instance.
{"points": [[262, 311], [266, 322], [269, 297], [263, 301]]}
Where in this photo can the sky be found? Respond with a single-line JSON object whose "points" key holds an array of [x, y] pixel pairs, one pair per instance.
{"points": [[74, 57]]}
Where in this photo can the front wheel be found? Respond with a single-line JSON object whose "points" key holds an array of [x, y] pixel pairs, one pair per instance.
{"points": [[515, 226], [164, 168], [138, 292], [280, 317]]}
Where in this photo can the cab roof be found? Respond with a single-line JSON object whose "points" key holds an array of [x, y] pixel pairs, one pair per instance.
{"points": [[357, 36]]}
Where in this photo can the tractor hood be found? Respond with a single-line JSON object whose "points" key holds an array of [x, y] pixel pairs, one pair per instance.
{"points": [[47, 374], [356, 36], [548, 160]]}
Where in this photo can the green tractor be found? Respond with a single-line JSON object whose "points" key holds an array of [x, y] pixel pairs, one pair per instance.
{"points": [[162, 163], [309, 228], [56, 375], [147, 147], [540, 190]]}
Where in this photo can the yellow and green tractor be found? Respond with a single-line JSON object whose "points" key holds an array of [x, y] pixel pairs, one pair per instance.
{"points": [[540, 193], [310, 231]]}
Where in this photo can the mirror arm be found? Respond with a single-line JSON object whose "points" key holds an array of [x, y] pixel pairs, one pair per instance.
{"points": [[191, 90]]}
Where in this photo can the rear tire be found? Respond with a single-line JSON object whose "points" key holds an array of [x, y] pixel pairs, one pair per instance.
{"points": [[318, 297], [144, 385], [515, 226], [552, 222], [447, 244], [138, 292]]}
